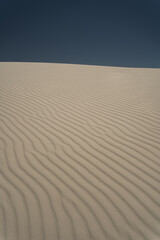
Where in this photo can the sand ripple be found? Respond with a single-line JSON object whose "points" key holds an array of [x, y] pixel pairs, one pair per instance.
{"points": [[79, 152]]}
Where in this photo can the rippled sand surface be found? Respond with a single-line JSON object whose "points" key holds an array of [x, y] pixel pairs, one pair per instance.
{"points": [[79, 152]]}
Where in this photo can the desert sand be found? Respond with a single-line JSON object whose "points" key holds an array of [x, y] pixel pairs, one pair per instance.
{"points": [[79, 152]]}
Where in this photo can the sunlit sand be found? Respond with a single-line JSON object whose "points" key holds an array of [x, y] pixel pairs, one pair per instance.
{"points": [[79, 152]]}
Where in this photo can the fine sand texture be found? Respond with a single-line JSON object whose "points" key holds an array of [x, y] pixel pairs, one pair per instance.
{"points": [[79, 152]]}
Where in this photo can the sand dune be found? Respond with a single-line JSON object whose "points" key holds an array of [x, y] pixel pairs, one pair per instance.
{"points": [[79, 152]]}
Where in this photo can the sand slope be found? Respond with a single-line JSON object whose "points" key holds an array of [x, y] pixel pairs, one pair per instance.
{"points": [[79, 152]]}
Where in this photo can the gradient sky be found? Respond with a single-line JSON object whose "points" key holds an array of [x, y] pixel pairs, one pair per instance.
{"points": [[111, 32]]}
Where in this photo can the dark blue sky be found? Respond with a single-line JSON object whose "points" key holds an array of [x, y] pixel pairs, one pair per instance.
{"points": [[112, 32]]}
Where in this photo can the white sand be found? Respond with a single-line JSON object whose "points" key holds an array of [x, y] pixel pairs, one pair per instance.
{"points": [[79, 152]]}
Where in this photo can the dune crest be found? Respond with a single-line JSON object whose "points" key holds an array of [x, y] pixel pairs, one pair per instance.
{"points": [[79, 152]]}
